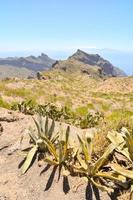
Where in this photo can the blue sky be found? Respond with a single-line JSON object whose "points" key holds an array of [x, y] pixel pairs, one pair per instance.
{"points": [[59, 27]]}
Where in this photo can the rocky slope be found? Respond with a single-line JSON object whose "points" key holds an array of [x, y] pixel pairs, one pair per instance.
{"points": [[92, 64], [24, 66]]}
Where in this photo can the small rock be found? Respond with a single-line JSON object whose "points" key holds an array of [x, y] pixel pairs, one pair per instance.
{"points": [[40, 76]]}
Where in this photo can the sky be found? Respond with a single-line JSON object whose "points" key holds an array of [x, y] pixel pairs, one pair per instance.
{"points": [[59, 27]]}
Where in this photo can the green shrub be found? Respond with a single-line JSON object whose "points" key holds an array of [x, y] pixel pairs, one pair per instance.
{"points": [[27, 107], [92, 119], [4, 104]]}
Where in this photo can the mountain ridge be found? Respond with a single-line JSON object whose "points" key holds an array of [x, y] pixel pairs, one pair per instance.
{"points": [[93, 64], [41, 62], [24, 67]]}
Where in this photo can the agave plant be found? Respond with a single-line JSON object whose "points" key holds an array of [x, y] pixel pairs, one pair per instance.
{"points": [[38, 141], [26, 107], [124, 141], [61, 154], [91, 169]]}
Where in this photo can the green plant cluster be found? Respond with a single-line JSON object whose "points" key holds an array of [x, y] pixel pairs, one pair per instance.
{"points": [[92, 119], [57, 149], [27, 107], [54, 112], [86, 120]]}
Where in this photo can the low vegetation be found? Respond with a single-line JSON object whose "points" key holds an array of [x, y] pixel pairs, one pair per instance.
{"points": [[111, 170], [87, 103]]}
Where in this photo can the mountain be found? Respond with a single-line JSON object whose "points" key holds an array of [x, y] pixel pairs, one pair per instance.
{"points": [[92, 64], [11, 71], [24, 66]]}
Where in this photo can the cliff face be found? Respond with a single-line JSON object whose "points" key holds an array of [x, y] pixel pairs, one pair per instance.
{"points": [[92, 64]]}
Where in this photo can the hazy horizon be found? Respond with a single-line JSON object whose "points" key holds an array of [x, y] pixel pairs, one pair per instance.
{"points": [[116, 57], [58, 28]]}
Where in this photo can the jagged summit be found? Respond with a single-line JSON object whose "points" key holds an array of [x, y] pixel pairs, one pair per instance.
{"points": [[82, 56], [81, 52], [92, 64], [24, 66]]}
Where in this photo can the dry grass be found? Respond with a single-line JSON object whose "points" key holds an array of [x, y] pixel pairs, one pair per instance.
{"points": [[77, 91]]}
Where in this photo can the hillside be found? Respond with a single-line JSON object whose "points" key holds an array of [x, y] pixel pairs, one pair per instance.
{"points": [[11, 71], [92, 64], [73, 90], [24, 66], [92, 106]]}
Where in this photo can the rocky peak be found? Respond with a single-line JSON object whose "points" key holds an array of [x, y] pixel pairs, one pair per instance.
{"points": [[82, 56], [93, 63], [43, 55]]}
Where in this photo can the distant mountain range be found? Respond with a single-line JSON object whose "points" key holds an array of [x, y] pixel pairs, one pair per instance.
{"points": [[24, 66], [92, 64]]}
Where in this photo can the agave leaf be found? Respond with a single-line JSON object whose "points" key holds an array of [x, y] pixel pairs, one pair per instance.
{"points": [[65, 146], [41, 123], [111, 176], [119, 141], [131, 187], [33, 137], [51, 130], [101, 161], [38, 127], [46, 127], [116, 139], [99, 186], [79, 169], [67, 134], [50, 161], [29, 159], [82, 162], [75, 151], [126, 153], [129, 143], [90, 146], [50, 147], [61, 151], [121, 170], [55, 137], [84, 149]]}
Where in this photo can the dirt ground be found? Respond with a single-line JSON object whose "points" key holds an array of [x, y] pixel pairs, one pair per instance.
{"points": [[38, 183]]}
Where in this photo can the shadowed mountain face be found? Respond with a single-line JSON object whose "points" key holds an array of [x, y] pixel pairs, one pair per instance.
{"points": [[39, 63], [92, 64], [25, 66]]}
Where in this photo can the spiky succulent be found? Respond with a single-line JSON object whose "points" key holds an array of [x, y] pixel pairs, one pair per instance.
{"points": [[91, 169], [39, 140], [58, 151], [124, 142]]}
